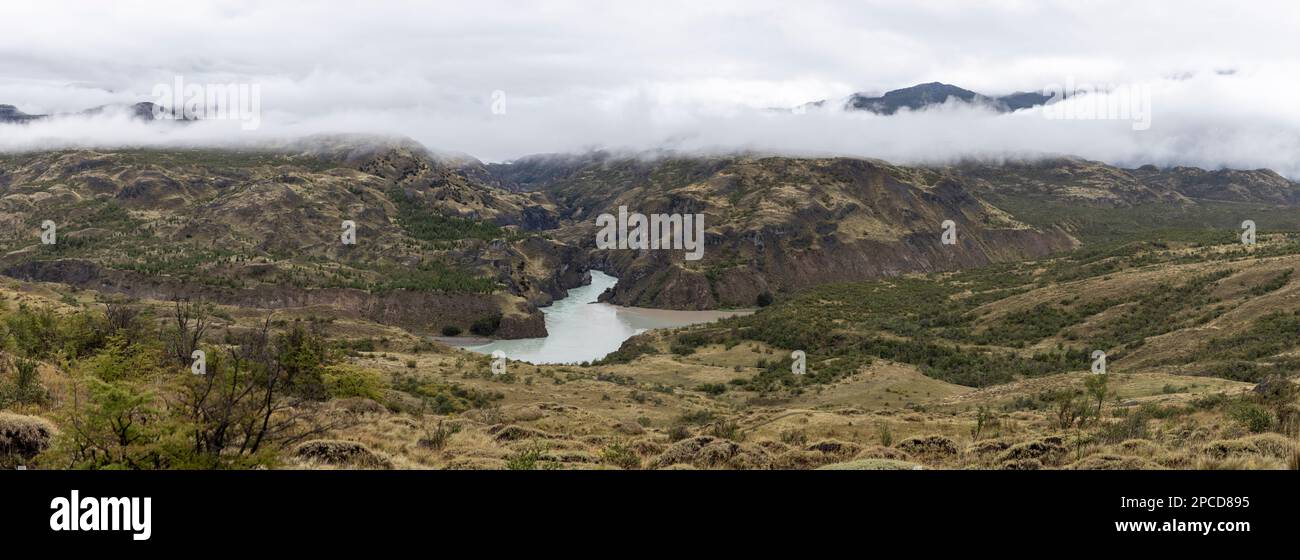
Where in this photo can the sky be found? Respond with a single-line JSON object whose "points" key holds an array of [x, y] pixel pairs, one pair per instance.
{"points": [[499, 80]]}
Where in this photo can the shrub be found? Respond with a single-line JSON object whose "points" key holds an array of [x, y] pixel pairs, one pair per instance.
{"points": [[696, 417], [451, 330], [1046, 450], [1251, 416], [934, 447], [872, 465], [119, 426], [22, 438], [486, 326], [621, 456], [529, 458], [27, 387], [348, 381], [335, 452], [681, 349], [437, 437], [727, 429], [714, 389], [794, 437], [120, 359], [33, 331], [886, 435]]}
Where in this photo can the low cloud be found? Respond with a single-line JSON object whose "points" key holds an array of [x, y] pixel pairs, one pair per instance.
{"points": [[1209, 120], [584, 75]]}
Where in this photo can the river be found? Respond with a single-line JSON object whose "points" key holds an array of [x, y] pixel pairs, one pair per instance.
{"points": [[582, 330]]}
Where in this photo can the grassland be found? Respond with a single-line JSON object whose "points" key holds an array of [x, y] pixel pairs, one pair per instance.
{"points": [[985, 369]]}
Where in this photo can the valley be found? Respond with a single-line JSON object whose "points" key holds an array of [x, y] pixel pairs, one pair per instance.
{"points": [[919, 354]]}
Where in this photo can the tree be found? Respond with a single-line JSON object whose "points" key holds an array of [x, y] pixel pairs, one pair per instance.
{"points": [[121, 317], [190, 322], [1072, 407], [1097, 389], [984, 417], [245, 403], [113, 424]]}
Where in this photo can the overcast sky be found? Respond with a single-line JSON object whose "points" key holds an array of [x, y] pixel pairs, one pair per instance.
{"points": [[690, 75]]}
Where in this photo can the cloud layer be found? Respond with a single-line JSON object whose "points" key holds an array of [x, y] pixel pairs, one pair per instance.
{"points": [[684, 75]]}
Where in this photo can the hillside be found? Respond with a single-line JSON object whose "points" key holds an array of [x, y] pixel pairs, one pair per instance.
{"points": [[979, 369], [778, 225], [263, 229]]}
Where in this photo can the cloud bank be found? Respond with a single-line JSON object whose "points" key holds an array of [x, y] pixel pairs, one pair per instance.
{"points": [[684, 75]]}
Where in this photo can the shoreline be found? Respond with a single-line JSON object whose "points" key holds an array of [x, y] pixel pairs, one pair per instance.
{"points": [[650, 315]]}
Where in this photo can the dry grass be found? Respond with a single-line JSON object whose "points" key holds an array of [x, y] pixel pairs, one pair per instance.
{"points": [[22, 438]]}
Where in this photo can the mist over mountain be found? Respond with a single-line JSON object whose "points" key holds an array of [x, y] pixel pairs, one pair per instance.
{"points": [[922, 96], [144, 111]]}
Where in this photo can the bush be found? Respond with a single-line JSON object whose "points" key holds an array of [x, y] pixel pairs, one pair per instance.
{"points": [[764, 299], [120, 359], [343, 453], [885, 434], [933, 447], [486, 326], [437, 437], [529, 458], [451, 330], [714, 389], [696, 417], [871, 465], [1251, 416], [727, 429], [794, 437], [22, 438], [348, 381], [621, 456], [26, 388], [681, 349]]}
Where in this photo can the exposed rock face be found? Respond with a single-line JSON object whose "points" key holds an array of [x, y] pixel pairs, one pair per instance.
{"points": [[780, 225]]}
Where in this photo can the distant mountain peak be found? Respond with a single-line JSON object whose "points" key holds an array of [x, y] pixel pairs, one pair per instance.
{"points": [[925, 95], [11, 114], [146, 111]]}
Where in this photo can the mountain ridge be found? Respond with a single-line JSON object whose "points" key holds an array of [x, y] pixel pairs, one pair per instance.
{"points": [[922, 96]]}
